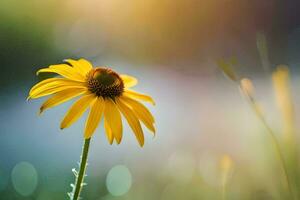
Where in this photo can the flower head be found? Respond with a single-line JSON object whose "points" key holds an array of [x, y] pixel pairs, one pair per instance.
{"points": [[103, 91]]}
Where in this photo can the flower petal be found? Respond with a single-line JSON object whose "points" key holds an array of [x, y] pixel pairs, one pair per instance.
{"points": [[81, 68], [77, 110], [54, 90], [108, 132], [52, 86], [141, 112], [65, 71], [61, 97], [46, 81], [132, 120], [129, 81], [137, 95], [94, 117], [86, 65], [113, 119]]}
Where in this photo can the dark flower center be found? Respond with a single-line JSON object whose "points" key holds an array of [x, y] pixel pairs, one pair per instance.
{"points": [[105, 82]]}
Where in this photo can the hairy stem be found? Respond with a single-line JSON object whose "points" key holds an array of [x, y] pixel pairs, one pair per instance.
{"points": [[81, 173]]}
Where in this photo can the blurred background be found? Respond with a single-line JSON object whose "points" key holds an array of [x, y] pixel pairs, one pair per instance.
{"points": [[209, 143]]}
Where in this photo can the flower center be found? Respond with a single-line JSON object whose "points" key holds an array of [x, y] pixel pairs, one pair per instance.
{"points": [[104, 82]]}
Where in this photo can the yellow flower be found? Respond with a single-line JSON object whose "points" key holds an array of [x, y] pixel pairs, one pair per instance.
{"points": [[105, 92]]}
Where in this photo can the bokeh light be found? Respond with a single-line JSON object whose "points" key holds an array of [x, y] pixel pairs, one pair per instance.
{"points": [[24, 178], [118, 180]]}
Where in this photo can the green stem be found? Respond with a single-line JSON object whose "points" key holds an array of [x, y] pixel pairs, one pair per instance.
{"points": [[276, 145], [81, 173]]}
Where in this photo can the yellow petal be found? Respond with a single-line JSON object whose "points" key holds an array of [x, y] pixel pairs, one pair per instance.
{"points": [[113, 119], [81, 68], [141, 112], [61, 97], [77, 110], [108, 132], [54, 85], [94, 117], [129, 81], [140, 96], [54, 90], [65, 71], [46, 81], [132, 120], [85, 64]]}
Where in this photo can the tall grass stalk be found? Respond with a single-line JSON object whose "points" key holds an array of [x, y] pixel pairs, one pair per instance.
{"points": [[248, 90]]}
